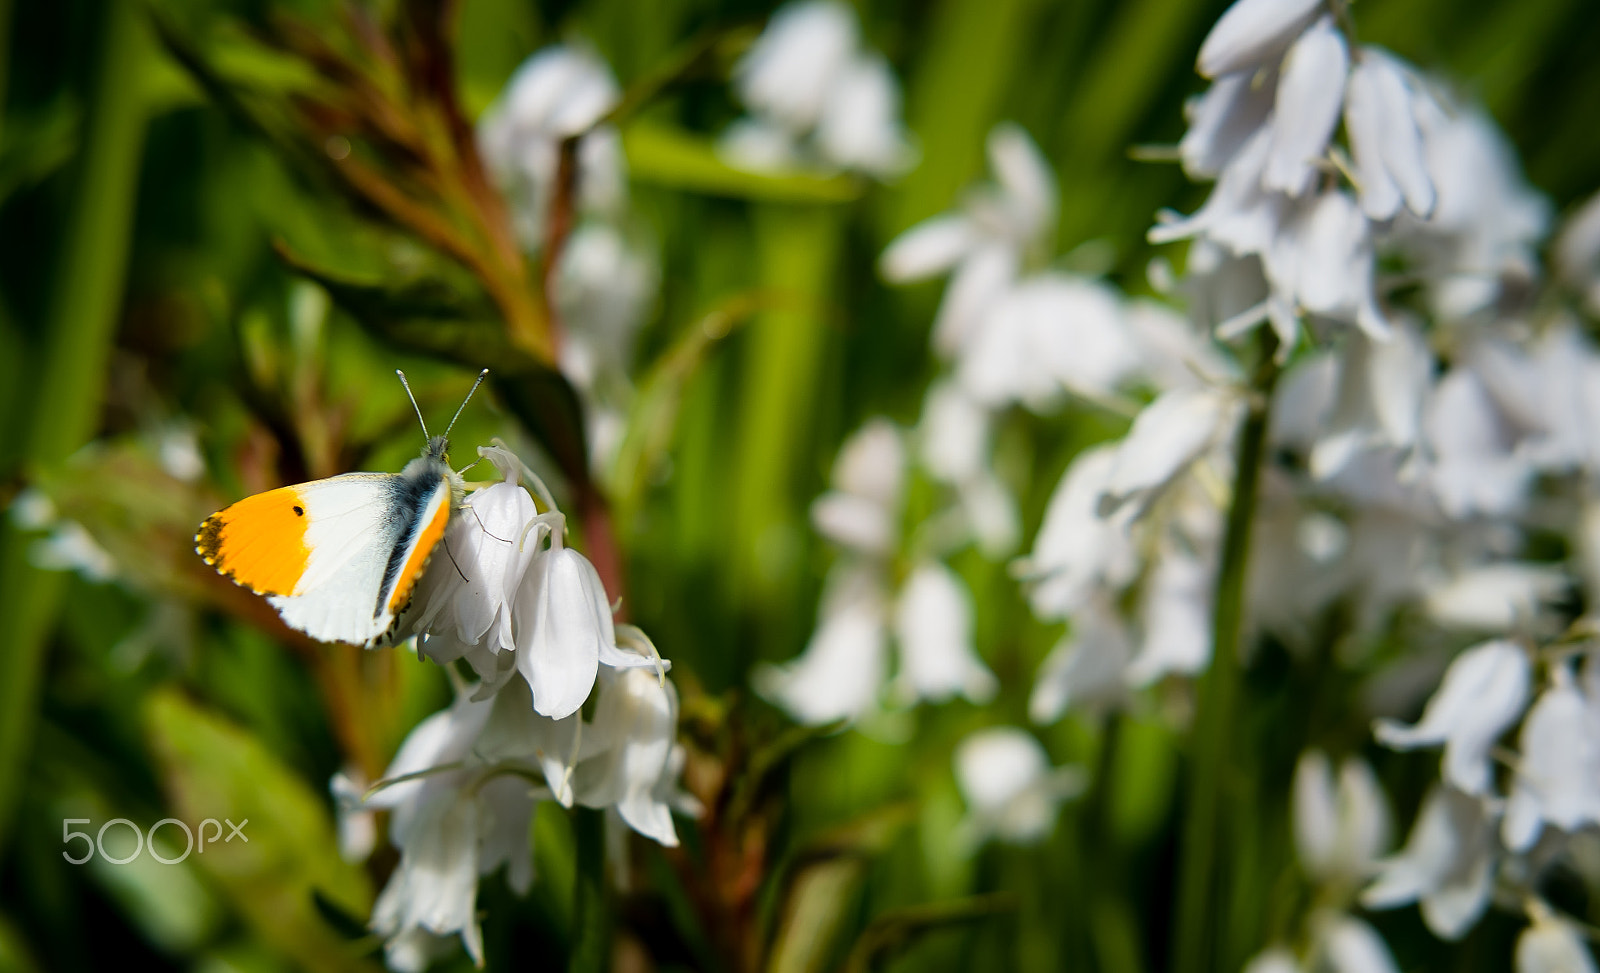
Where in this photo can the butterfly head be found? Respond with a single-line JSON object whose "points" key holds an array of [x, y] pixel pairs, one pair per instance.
{"points": [[438, 446]]}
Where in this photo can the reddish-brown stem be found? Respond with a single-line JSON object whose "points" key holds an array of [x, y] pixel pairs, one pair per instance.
{"points": [[600, 539], [558, 227]]}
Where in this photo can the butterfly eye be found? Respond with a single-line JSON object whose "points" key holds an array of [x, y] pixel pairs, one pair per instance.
{"points": [[299, 511]]}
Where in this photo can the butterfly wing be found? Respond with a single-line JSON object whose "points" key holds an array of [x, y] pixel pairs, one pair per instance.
{"points": [[338, 557]]}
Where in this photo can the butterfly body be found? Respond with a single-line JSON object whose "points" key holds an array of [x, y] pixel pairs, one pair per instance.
{"points": [[338, 558]]}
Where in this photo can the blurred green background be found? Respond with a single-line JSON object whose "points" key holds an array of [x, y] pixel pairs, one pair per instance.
{"points": [[141, 296]]}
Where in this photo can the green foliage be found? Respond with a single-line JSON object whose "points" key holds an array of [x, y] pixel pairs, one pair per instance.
{"points": [[290, 860]]}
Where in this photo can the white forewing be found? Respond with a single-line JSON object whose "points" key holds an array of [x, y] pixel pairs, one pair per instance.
{"points": [[354, 524]]}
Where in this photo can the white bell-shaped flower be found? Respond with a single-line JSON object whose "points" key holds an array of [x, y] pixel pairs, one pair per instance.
{"points": [[1175, 615], [985, 243], [1077, 548], [603, 288], [1348, 945], [1447, 864], [1240, 215], [557, 93], [1556, 391], [1168, 435], [450, 827], [1322, 260], [1012, 792], [862, 511], [845, 663], [1481, 696], [1306, 107], [442, 739], [635, 726], [563, 625], [953, 434], [1381, 386], [1486, 221], [1050, 333], [933, 626], [1475, 468], [469, 587], [788, 71], [1340, 830], [1223, 119], [860, 126], [516, 736], [1252, 32], [1273, 960], [1384, 138], [1552, 944], [1086, 666], [1558, 776], [434, 889]]}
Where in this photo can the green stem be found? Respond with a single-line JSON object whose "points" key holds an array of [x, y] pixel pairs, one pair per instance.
{"points": [[591, 913], [1197, 914], [71, 379]]}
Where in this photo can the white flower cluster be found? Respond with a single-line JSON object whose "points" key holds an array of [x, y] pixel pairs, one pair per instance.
{"points": [[607, 277], [1280, 238], [1466, 834], [532, 619], [844, 667], [1412, 454], [1465, 837], [1141, 516], [1015, 333], [817, 98]]}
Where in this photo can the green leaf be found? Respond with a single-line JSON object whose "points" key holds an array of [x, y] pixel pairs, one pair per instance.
{"points": [[676, 159], [653, 418], [822, 889], [79, 327], [215, 770], [798, 250], [417, 301], [769, 759], [897, 929]]}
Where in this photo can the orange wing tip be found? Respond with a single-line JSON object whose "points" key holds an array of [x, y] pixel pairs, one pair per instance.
{"points": [[259, 542]]}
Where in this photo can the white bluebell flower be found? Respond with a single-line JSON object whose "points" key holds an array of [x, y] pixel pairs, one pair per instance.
{"points": [[1447, 865], [1013, 794], [1481, 696]]}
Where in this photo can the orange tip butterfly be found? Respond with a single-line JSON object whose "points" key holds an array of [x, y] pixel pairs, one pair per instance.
{"points": [[339, 558]]}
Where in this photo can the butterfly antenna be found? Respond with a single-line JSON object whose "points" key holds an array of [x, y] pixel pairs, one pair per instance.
{"points": [[481, 376], [413, 398]]}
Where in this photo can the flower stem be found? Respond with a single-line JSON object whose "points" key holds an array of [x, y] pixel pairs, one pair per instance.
{"points": [[1198, 887], [591, 920]]}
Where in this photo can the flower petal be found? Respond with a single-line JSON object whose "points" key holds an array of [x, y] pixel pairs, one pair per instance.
{"points": [[931, 247], [1250, 32], [563, 618], [933, 625], [1306, 107], [1481, 695]]}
